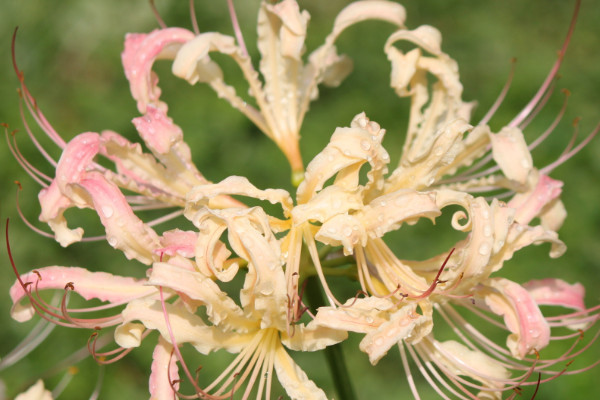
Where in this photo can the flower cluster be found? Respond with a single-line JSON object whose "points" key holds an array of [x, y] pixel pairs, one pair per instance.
{"points": [[348, 199]]}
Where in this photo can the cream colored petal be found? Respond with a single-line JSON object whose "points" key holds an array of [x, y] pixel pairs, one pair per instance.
{"points": [[388, 212], [193, 63], [292, 29], [329, 202], [357, 315], [463, 361], [347, 151], [239, 186], [325, 65], [510, 152], [35, 392], [185, 326], [312, 337], [553, 215], [359, 11], [520, 236], [293, 379], [404, 324], [220, 308], [53, 204], [343, 230], [211, 253], [429, 157]]}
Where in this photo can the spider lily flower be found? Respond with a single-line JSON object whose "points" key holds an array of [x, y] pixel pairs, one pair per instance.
{"points": [[289, 83], [473, 364], [256, 331]]}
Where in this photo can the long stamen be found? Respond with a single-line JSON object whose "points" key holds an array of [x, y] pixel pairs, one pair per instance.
{"points": [[236, 28], [551, 75]]}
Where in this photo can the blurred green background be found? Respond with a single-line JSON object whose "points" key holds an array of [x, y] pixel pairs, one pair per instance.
{"points": [[70, 54]]}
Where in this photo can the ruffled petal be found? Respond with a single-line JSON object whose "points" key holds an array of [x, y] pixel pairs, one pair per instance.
{"points": [[89, 285], [141, 50], [294, 380], [164, 371], [185, 326], [522, 316]]}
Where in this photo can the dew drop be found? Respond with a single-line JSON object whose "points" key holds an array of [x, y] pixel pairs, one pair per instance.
{"points": [[107, 211], [378, 342], [347, 231], [365, 145], [112, 241], [487, 231], [484, 249], [369, 319]]}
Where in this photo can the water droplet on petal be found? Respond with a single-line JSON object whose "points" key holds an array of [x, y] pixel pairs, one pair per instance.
{"points": [[365, 145], [484, 249], [487, 231], [107, 211], [112, 241]]}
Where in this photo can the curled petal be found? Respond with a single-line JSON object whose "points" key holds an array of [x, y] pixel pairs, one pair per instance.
{"points": [[343, 230], [312, 337], [386, 213], [140, 52], [178, 242], [193, 62], [510, 152], [124, 230], [530, 205], [165, 140], [220, 308], [556, 292], [60, 195], [347, 150], [405, 324], [89, 285], [359, 11], [461, 360], [292, 29], [522, 316], [185, 326], [164, 371], [239, 186], [357, 315], [330, 201], [53, 204], [293, 379]]}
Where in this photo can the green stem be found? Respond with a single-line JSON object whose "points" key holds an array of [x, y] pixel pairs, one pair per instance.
{"points": [[333, 354]]}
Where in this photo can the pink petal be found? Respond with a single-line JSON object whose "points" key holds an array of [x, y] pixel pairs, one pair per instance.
{"points": [[164, 371], [522, 317], [158, 131], [76, 158], [138, 57], [124, 230], [178, 242], [556, 292], [89, 285], [531, 204]]}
